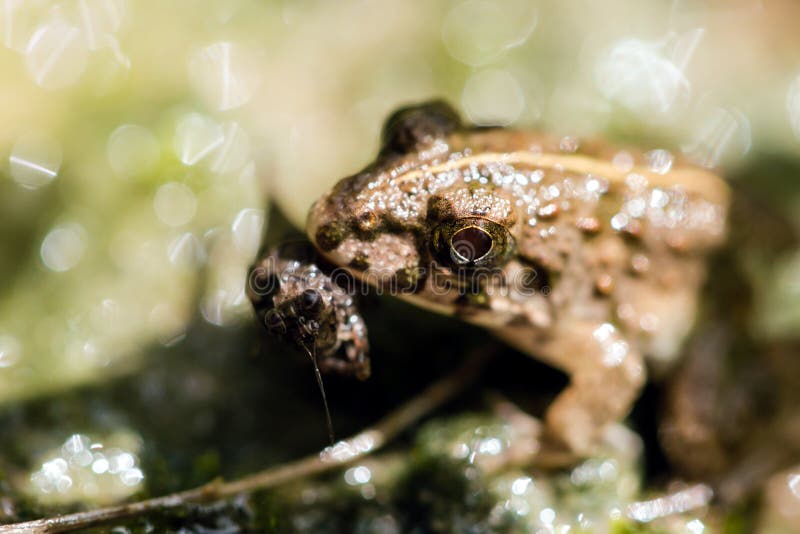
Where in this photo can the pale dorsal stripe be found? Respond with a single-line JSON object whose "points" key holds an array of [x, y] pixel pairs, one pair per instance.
{"points": [[691, 179]]}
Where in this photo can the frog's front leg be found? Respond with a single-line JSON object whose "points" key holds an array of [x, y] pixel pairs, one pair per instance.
{"points": [[606, 375]]}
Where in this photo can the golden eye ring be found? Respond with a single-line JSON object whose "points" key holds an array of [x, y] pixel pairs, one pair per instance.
{"points": [[471, 242]]}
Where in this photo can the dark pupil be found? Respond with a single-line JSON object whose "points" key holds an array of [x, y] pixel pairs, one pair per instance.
{"points": [[472, 243], [310, 298]]}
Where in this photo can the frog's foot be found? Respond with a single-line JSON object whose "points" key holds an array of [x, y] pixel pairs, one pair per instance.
{"points": [[606, 378], [543, 450], [533, 449]]}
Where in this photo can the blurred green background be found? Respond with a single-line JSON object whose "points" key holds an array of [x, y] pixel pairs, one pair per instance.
{"points": [[140, 142]]}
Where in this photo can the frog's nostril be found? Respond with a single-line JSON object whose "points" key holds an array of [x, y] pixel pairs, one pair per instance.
{"points": [[471, 243]]}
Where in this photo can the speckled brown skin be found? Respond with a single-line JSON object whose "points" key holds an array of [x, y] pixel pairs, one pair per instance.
{"points": [[583, 255]]}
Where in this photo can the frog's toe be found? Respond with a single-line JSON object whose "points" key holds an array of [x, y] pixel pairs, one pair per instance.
{"points": [[573, 428]]}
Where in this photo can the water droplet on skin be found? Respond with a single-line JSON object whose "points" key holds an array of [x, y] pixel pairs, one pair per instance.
{"points": [[34, 161], [640, 263], [132, 150], [604, 284], [659, 161], [63, 247], [619, 221], [636, 207], [568, 144], [548, 211], [588, 224], [648, 322], [56, 55], [623, 161], [636, 182], [658, 198], [493, 97], [175, 204], [225, 74]]}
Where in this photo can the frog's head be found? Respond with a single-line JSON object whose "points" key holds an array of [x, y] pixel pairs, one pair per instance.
{"points": [[433, 237]]}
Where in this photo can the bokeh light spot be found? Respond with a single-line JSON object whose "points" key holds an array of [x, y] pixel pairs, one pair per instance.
{"points": [[175, 204], [186, 251], [35, 161], [476, 32], [234, 151], [638, 75], [17, 23], [56, 55], [196, 137], [493, 97], [246, 229], [87, 469], [132, 150], [225, 74], [100, 19], [64, 247], [10, 351], [720, 134]]}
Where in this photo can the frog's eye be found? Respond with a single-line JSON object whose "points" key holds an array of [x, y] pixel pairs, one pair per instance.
{"points": [[274, 323], [471, 242]]}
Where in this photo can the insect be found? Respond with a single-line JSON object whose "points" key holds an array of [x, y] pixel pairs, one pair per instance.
{"points": [[300, 304]]}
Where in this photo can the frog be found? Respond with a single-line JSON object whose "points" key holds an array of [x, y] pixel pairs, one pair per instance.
{"points": [[582, 254]]}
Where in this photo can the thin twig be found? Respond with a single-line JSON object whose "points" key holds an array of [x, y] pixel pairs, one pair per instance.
{"points": [[342, 453]]}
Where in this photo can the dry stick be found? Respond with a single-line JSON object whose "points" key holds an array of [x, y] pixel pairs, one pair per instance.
{"points": [[344, 452]]}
